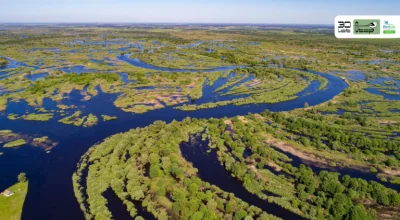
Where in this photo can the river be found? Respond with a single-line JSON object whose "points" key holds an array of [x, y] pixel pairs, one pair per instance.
{"points": [[50, 194]]}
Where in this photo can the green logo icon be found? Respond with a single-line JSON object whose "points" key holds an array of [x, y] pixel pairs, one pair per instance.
{"points": [[367, 26], [389, 28]]}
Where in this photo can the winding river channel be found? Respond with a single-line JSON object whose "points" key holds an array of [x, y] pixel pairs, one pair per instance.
{"points": [[50, 194]]}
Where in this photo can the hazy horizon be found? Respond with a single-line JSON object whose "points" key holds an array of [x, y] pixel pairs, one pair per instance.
{"points": [[313, 12], [169, 23]]}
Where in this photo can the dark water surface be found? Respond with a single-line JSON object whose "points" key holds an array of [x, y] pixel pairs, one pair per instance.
{"points": [[119, 210], [50, 194], [210, 170]]}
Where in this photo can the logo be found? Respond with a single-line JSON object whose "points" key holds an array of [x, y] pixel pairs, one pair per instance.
{"points": [[367, 26], [389, 28], [344, 27]]}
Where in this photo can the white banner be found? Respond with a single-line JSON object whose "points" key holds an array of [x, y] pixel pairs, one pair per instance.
{"points": [[367, 26]]}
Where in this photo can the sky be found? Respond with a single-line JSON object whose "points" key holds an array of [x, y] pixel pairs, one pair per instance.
{"points": [[190, 11]]}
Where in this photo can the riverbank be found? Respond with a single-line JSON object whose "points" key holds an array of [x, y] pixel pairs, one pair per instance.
{"points": [[11, 207]]}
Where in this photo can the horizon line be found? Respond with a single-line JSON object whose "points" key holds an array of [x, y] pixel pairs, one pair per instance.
{"points": [[166, 23]]}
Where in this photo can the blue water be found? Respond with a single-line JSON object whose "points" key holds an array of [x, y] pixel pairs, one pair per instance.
{"points": [[46, 49], [386, 96], [195, 152], [355, 75], [193, 45], [36, 77], [107, 62], [124, 78], [312, 88], [381, 81], [76, 69], [14, 64], [209, 94], [139, 46]]}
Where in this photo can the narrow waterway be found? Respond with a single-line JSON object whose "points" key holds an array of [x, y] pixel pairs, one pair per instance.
{"points": [[210, 170]]}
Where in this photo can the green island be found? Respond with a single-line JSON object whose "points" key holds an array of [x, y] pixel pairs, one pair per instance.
{"points": [[38, 117], [16, 143], [11, 206], [41, 139], [108, 118], [77, 120]]}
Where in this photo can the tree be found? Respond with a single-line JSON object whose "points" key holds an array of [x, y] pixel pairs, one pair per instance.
{"points": [[229, 207], [163, 215], [306, 105], [197, 216], [383, 199], [155, 171], [240, 214], [358, 213], [390, 162], [161, 191], [395, 198], [22, 177]]}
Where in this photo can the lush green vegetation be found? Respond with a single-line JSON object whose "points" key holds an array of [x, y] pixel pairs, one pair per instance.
{"points": [[161, 171], [232, 137], [91, 121], [73, 119], [41, 139], [77, 120], [38, 117], [3, 62], [16, 143], [108, 118], [268, 85], [11, 207], [176, 188]]}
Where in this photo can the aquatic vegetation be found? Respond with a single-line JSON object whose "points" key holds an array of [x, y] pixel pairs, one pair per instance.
{"points": [[73, 119], [91, 121], [16, 143], [5, 132], [13, 116], [390, 92], [65, 107], [76, 119], [41, 139], [13, 139], [262, 85], [3, 104], [108, 118], [37, 117], [169, 90]]}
